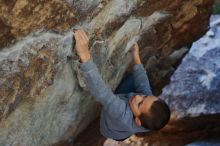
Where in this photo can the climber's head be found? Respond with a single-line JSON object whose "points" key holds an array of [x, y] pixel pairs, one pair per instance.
{"points": [[149, 111]]}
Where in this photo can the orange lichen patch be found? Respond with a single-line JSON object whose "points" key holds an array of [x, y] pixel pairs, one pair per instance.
{"points": [[185, 27], [182, 27], [21, 17], [170, 6], [5, 33], [30, 82], [150, 6]]}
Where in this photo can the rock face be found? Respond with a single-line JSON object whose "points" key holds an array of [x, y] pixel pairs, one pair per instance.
{"points": [[21, 17], [41, 96], [195, 86]]}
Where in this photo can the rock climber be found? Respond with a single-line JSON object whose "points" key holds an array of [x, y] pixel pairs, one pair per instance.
{"points": [[122, 114]]}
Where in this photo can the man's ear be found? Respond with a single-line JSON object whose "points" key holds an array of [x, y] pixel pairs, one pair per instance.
{"points": [[138, 121]]}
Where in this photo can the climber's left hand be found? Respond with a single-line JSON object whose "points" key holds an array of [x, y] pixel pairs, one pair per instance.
{"points": [[82, 42]]}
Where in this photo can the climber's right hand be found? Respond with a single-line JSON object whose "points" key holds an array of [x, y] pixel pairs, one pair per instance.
{"points": [[82, 43], [135, 53]]}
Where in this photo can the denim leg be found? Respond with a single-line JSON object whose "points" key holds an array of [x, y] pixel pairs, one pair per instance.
{"points": [[126, 86]]}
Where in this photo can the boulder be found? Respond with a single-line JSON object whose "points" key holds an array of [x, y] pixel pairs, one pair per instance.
{"points": [[42, 96], [194, 89]]}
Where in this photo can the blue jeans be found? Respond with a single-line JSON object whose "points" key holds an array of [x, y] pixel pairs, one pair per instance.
{"points": [[126, 85]]}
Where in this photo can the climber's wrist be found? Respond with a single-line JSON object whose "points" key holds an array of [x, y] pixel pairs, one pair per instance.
{"points": [[85, 57], [136, 58]]}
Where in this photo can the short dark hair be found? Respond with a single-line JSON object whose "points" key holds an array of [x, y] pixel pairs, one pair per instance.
{"points": [[157, 117]]}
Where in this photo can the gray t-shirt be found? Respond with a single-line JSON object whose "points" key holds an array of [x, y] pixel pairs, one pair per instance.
{"points": [[117, 120]]}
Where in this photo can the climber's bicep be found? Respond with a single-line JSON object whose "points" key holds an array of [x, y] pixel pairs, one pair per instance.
{"points": [[97, 87]]}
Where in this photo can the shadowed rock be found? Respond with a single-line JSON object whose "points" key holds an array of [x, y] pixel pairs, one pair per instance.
{"points": [[195, 86], [41, 96]]}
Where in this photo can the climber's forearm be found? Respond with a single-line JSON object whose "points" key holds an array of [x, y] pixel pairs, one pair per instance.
{"points": [[85, 58], [141, 81], [97, 87], [135, 54]]}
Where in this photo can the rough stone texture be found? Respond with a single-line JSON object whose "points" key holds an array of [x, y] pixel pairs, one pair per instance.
{"points": [[21, 17], [195, 86], [41, 99]]}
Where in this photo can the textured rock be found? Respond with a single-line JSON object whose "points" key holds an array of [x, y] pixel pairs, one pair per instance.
{"points": [[195, 86], [41, 99], [21, 17]]}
